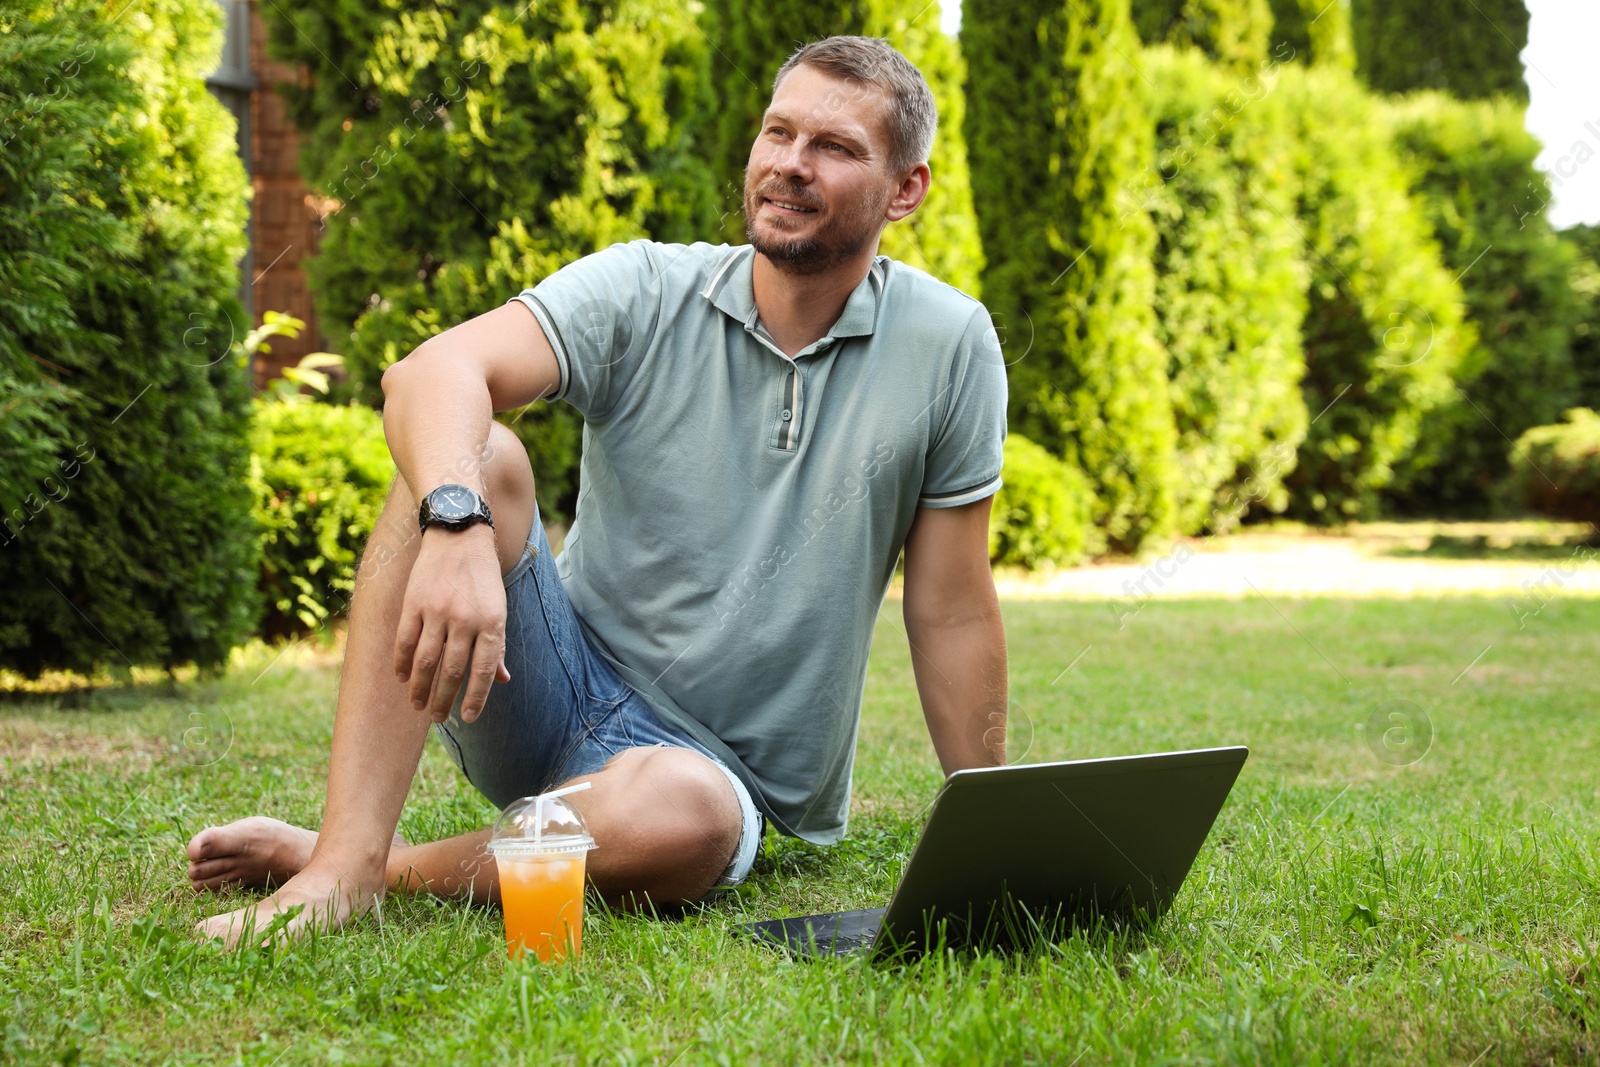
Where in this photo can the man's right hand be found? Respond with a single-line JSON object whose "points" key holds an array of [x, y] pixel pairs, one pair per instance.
{"points": [[453, 623]]}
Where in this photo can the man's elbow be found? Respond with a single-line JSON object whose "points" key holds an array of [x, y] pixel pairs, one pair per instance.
{"points": [[399, 371], [975, 605]]}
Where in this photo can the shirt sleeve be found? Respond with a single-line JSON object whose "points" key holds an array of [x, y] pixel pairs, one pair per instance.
{"points": [[599, 315], [964, 456]]}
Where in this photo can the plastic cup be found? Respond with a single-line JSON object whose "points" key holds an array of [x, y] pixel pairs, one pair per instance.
{"points": [[541, 846]]}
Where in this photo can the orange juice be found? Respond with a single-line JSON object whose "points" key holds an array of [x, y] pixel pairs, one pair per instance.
{"points": [[542, 897]]}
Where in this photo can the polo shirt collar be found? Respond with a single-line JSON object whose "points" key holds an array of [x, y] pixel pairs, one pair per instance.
{"points": [[732, 291]]}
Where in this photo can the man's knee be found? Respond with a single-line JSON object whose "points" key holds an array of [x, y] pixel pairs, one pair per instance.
{"points": [[677, 826], [709, 821], [508, 486], [507, 474]]}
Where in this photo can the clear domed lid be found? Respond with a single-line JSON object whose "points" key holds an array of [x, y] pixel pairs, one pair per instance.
{"points": [[541, 824]]}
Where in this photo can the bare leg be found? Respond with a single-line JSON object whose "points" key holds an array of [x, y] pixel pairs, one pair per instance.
{"points": [[665, 820], [377, 735], [665, 823]]}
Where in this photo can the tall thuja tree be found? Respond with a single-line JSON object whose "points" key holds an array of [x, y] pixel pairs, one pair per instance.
{"points": [[468, 149], [127, 536], [1470, 49], [1314, 31], [1470, 166], [753, 40], [1233, 32], [1584, 243], [1057, 133], [1383, 333], [1230, 282]]}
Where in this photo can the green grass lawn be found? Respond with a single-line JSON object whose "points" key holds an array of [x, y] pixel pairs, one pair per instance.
{"points": [[1438, 906]]}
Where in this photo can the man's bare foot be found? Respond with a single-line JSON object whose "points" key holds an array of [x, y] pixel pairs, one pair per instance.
{"points": [[325, 901], [256, 852]]}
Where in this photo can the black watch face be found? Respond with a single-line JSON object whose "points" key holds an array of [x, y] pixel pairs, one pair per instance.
{"points": [[451, 503]]}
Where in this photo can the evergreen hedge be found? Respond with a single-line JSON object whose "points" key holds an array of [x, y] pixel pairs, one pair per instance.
{"points": [[1584, 243], [468, 150], [1470, 166], [1556, 469], [319, 474], [1470, 49], [1230, 281], [1317, 32], [128, 538], [1057, 133], [1233, 32], [1383, 333], [1043, 515], [751, 41]]}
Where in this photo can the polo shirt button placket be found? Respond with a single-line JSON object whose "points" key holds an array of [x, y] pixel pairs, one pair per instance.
{"points": [[788, 414]]}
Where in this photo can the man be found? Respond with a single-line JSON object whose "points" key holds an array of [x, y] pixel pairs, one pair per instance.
{"points": [[765, 427]]}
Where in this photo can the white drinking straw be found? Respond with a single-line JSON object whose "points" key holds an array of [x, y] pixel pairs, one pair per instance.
{"points": [[538, 808]]}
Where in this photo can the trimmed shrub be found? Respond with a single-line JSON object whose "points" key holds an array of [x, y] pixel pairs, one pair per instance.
{"points": [[753, 40], [468, 151], [1383, 334], [319, 474], [1316, 31], [1470, 167], [1584, 242], [128, 538], [1230, 282], [1057, 132], [1233, 32], [1043, 515], [1471, 49], [1555, 469]]}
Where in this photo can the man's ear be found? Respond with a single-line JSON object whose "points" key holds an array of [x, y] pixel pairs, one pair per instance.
{"points": [[909, 195]]}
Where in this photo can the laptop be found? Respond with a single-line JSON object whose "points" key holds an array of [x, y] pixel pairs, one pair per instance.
{"points": [[1014, 854]]}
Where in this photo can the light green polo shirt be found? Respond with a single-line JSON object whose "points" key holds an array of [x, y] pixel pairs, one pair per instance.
{"points": [[741, 513]]}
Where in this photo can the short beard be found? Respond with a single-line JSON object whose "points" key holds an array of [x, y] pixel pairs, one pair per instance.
{"points": [[801, 255]]}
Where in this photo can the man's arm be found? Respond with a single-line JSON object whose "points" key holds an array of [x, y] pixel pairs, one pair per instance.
{"points": [[438, 404], [958, 644]]}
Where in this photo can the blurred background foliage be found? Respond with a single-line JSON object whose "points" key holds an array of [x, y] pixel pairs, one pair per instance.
{"points": [[1248, 258], [127, 535]]}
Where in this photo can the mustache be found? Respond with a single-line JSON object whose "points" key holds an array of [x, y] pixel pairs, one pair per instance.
{"points": [[789, 195]]}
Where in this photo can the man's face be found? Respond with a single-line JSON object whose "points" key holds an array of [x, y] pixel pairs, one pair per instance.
{"points": [[818, 179]]}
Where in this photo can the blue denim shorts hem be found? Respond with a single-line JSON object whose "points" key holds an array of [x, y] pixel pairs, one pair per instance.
{"points": [[566, 712]]}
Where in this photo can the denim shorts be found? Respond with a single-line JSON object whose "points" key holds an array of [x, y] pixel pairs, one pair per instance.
{"points": [[565, 711]]}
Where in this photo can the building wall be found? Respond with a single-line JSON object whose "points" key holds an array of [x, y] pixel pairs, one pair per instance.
{"points": [[286, 222]]}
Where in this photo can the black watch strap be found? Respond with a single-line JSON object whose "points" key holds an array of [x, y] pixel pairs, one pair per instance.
{"points": [[454, 507]]}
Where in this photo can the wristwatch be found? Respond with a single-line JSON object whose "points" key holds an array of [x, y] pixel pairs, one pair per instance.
{"points": [[454, 507]]}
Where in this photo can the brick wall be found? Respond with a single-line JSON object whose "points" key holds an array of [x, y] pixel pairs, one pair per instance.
{"points": [[286, 221]]}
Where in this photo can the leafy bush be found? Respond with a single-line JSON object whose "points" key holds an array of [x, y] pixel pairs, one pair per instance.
{"points": [[127, 538], [1556, 469], [469, 150], [1230, 281], [1043, 514], [319, 474], [1317, 32], [1470, 166], [1470, 49], [1584, 241], [1057, 131], [1383, 334], [1233, 32]]}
